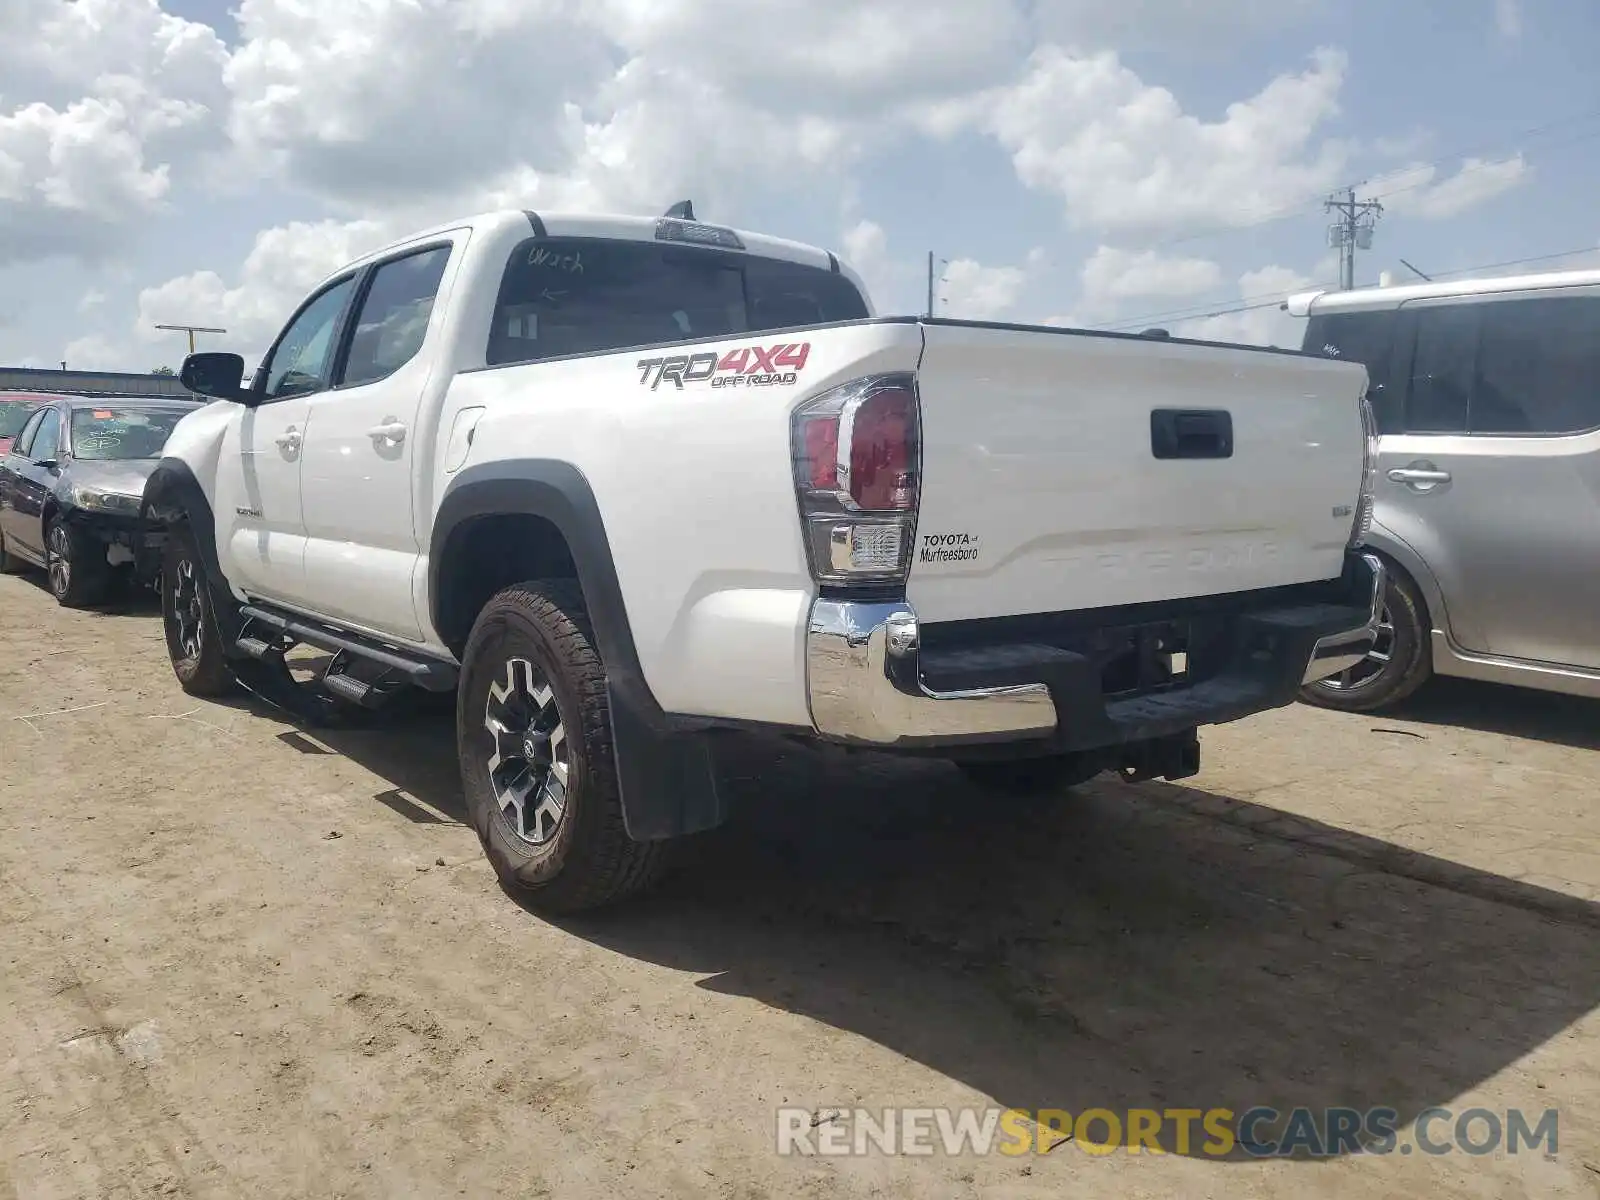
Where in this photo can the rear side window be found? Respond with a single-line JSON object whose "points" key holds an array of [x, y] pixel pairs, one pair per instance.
{"points": [[1442, 369], [1366, 338], [1538, 366], [394, 315], [590, 295]]}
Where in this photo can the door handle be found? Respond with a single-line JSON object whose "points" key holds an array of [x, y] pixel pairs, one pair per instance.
{"points": [[389, 431], [1418, 475], [289, 439]]}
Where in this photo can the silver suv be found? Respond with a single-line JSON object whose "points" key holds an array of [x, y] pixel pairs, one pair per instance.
{"points": [[1487, 398]]}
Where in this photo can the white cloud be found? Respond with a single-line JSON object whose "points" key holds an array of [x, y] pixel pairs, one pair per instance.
{"points": [[1124, 156], [1508, 18], [1419, 190], [963, 287], [975, 292], [96, 352], [1168, 25], [117, 93], [281, 268], [376, 117], [866, 248], [1111, 276], [854, 60]]}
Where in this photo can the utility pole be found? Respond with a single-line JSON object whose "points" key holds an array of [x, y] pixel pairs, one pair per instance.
{"points": [[191, 330], [1352, 232]]}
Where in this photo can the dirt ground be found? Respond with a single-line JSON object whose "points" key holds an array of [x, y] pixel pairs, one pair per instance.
{"points": [[242, 960]]}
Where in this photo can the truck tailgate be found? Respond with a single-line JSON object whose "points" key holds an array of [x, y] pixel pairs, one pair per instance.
{"points": [[1042, 489]]}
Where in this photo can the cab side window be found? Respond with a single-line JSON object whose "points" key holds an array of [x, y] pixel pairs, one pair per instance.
{"points": [[302, 361], [1538, 366]]}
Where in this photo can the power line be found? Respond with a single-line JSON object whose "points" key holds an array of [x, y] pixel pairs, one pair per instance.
{"points": [[1303, 207], [1486, 165], [1195, 312], [1184, 314], [1252, 303]]}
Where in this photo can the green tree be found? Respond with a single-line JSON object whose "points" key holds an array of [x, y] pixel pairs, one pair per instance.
{"points": [[163, 371]]}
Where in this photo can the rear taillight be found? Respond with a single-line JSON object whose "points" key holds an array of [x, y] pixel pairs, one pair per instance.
{"points": [[1369, 476], [856, 464]]}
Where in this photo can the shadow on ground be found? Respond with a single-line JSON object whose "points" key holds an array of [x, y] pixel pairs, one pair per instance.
{"points": [[1512, 711], [1120, 947]]}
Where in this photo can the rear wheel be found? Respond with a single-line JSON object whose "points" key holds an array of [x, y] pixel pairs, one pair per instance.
{"points": [[1399, 663], [74, 566], [533, 731], [194, 643]]}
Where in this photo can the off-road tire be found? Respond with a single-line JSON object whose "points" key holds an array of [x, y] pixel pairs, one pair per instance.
{"points": [[10, 564], [1410, 662], [1030, 776], [207, 673], [87, 576], [588, 861]]}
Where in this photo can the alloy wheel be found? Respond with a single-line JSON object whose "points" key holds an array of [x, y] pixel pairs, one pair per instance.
{"points": [[1370, 667], [58, 559], [188, 613], [530, 764]]}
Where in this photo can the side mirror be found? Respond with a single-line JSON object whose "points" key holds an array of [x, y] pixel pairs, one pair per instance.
{"points": [[47, 464], [211, 373]]}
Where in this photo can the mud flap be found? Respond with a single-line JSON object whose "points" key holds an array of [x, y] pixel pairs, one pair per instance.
{"points": [[668, 781]]}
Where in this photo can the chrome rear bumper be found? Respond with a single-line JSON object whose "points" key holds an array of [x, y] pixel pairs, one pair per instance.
{"points": [[868, 673], [1340, 651], [863, 673]]}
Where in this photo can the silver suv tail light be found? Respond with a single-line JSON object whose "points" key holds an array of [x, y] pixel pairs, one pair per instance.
{"points": [[1369, 476]]}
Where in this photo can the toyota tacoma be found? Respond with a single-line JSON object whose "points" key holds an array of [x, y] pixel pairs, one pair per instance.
{"points": [[626, 485]]}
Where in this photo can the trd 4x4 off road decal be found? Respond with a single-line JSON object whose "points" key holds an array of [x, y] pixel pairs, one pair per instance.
{"points": [[747, 366]]}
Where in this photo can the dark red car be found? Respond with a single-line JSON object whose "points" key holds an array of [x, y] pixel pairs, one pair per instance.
{"points": [[14, 410]]}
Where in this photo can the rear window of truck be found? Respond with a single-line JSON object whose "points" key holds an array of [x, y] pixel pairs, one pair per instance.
{"points": [[589, 295]]}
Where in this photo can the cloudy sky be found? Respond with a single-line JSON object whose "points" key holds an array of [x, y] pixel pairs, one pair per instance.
{"points": [[1094, 162]]}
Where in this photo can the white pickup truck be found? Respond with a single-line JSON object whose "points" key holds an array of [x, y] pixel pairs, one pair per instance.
{"points": [[626, 484]]}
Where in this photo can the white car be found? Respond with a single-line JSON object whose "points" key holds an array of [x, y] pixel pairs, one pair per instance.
{"points": [[624, 484]]}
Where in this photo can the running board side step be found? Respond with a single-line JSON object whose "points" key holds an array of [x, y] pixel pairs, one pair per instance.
{"points": [[430, 674]]}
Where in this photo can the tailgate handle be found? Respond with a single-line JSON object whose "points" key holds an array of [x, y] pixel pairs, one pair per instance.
{"points": [[1191, 433]]}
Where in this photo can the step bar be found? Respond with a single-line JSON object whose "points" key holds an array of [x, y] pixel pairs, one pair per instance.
{"points": [[430, 674]]}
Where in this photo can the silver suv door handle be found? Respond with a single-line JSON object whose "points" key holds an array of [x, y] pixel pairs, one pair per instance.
{"points": [[289, 439], [389, 431], [1418, 475]]}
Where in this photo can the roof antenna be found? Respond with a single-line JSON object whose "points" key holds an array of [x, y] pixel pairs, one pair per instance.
{"points": [[683, 210]]}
